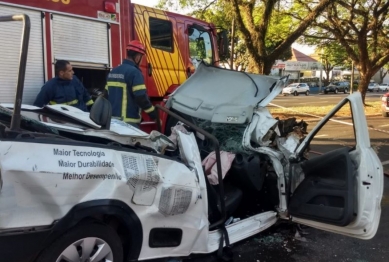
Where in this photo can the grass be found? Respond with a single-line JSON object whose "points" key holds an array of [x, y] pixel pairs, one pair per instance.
{"points": [[372, 108]]}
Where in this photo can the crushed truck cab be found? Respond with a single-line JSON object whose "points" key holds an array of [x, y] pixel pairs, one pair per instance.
{"points": [[78, 186]]}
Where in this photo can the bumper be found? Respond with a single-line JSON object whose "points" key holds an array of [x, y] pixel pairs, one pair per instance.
{"points": [[288, 92], [22, 247]]}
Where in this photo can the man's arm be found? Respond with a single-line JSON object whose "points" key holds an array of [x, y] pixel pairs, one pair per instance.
{"points": [[141, 97], [85, 94], [43, 97]]}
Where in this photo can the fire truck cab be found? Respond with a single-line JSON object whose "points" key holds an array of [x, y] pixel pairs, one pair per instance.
{"points": [[92, 36]]}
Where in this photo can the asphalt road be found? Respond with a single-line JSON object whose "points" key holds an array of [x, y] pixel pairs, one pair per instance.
{"points": [[279, 244]]}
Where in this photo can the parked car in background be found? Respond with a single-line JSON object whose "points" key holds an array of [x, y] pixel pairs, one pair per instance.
{"points": [[385, 105], [384, 87], [337, 87], [373, 87], [296, 89]]}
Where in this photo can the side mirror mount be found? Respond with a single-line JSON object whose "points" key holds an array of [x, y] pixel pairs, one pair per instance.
{"points": [[223, 44], [101, 113]]}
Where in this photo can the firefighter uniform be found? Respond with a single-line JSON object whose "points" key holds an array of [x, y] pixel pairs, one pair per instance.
{"points": [[66, 92], [127, 93]]}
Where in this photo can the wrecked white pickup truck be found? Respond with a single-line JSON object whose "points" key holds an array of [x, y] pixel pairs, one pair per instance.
{"points": [[84, 187]]}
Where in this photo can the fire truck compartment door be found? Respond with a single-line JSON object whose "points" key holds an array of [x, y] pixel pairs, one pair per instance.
{"points": [[80, 40], [10, 43]]}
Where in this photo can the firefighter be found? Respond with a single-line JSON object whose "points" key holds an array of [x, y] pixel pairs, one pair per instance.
{"points": [[126, 88], [64, 89]]}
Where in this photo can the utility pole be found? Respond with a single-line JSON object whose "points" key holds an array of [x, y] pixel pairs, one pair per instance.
{"points": [[352, 77], [232, 44]]}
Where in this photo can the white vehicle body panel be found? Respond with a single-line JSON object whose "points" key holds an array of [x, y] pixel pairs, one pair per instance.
{"points": [[39, 189]]}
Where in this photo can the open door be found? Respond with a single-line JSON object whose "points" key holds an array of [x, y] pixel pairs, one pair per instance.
{"points": [[336, 178]]}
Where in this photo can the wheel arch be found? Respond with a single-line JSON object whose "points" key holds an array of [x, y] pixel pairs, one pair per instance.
{"points": [[109, 212]]}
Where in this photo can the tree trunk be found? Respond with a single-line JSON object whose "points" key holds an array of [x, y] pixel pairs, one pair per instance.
{"points": [[362, 86]]}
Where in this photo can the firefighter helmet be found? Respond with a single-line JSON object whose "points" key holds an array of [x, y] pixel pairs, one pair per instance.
{"points": [[136, 46]]}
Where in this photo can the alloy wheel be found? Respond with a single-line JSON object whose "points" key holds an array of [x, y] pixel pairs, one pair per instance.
{"points": [[90, 249]]}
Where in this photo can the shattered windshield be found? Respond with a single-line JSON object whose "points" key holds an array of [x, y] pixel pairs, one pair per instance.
{"points": [[25, 123]]}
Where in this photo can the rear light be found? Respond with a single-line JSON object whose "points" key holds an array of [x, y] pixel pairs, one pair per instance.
{"points": [[109, 7]]}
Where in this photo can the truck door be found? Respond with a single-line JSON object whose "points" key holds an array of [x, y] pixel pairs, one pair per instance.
{"points": [[341, 189], [164, 67], [199, 46]]}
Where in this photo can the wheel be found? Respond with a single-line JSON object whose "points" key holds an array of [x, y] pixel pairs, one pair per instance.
{"points": [[385, 114], [307, 93], [345, 90], [295, 93], [336, 91], [325, 92], [87, 242]]}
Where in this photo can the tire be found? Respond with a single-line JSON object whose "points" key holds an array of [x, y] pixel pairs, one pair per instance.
{"points": [[307, 93], [295, 93], [385, 114], [325, 92], [336, 91], [345, 91], [94, 234]]}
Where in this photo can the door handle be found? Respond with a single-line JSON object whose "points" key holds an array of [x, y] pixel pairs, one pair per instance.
{"points": [[149, 69]]}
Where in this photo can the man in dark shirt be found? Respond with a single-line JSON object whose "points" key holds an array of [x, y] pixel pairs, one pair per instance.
{"points": [[64, 89], [126, 87]]}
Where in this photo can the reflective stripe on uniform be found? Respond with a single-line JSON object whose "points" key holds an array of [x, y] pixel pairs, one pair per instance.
{"points": [[138, 87], [131, 120], [116, 84], [124, 97], [90, 102], [149, 110], [73, 102]]}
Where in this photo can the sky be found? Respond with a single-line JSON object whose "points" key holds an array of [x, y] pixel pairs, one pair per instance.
{"points": [[302, 48]]}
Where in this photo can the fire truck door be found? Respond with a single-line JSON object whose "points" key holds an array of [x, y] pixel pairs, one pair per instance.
{"points": [[163, 67]]}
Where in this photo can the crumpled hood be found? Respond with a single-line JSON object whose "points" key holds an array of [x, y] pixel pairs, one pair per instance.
{"points": [[224, 96]]}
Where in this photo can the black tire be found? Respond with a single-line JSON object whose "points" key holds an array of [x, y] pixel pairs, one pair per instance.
{"points": [[336, 91], [325, 92], [105, 233], [385, 114], [295, 93], [307, 93], [345, 90]]}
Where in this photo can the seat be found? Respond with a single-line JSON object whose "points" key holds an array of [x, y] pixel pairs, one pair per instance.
{"points": [[232, 199]]}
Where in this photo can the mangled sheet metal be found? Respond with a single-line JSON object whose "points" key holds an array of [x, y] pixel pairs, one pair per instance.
{"points": [[224, 96]]}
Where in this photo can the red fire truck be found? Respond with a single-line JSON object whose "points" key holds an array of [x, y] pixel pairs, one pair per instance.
{"points": [[93, 34]]}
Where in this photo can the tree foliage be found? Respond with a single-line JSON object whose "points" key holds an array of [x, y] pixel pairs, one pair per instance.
{"points": [[267, 32], [361, 27], [331, 55]]}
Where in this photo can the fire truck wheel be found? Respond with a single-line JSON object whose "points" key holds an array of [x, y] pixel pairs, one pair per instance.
{"points": [[385, 114], [87, 242]]}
